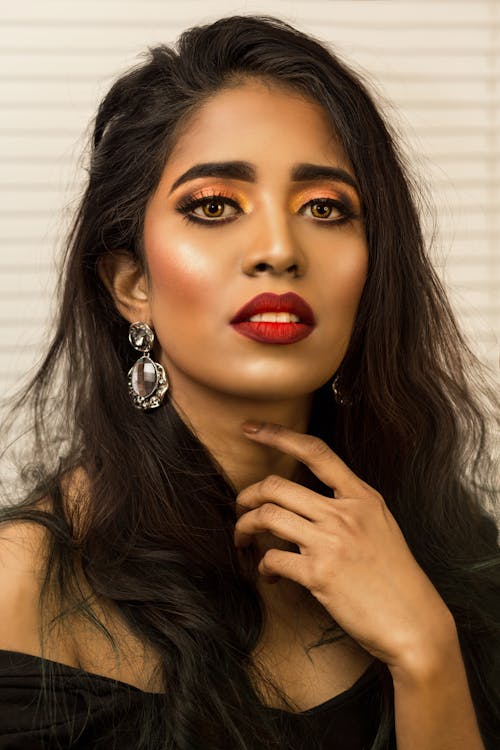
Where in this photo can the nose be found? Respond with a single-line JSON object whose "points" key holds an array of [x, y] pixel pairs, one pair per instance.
{"points": [[275, 250]]}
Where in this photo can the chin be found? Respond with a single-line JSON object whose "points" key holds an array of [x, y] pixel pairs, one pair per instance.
{"points": [[267, 391]]}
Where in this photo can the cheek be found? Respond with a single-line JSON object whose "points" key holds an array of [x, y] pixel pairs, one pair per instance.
{"points": [[348, 271], [180, 276], [353, 271]]}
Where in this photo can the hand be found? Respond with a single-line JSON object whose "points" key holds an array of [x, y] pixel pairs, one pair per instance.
{"points": [[353, 556]]}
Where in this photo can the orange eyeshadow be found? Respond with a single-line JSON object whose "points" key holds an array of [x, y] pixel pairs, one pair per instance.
{"points": [[318, 193], [223, 190]]}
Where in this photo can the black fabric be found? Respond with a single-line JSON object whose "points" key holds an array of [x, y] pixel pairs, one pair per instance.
{"points": [[106, 713]]}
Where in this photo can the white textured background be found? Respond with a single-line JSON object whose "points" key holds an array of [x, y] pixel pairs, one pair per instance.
{"points": [[436, 66]]}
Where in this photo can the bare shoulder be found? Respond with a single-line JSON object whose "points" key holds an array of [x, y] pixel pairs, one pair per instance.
{"points": [[24, 548], [24, 544], [76, 642]]}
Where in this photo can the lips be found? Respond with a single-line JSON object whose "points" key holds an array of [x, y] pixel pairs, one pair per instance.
{"points": [[279, 331], [268, 302]]}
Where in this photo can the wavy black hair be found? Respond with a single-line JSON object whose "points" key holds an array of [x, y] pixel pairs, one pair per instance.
{"points": [[156, 535]]}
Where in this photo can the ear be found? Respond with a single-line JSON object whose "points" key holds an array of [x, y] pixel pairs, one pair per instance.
{"points": [[126, 282]]}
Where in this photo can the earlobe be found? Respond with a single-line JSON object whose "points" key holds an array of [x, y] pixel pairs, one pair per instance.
{"points": [[126, 282]]}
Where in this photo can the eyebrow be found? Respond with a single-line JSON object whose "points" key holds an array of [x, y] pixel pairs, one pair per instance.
{"points": [[243, 170]]}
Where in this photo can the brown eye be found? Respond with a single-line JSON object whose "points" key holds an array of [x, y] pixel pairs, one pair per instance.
{"points": [[213, 209], [329, 211], [323, 211]]}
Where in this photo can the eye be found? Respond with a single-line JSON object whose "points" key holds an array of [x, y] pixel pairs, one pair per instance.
{"points": [[212, 208], [329, 211]]}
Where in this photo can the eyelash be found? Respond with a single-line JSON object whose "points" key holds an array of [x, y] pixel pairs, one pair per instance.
{"points": [[187, 205]]}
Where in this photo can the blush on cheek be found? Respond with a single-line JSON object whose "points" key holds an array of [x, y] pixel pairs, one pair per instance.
{"points": [[178, 273]]}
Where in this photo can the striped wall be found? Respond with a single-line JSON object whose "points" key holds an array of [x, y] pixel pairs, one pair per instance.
{"points": [[435, 66]]}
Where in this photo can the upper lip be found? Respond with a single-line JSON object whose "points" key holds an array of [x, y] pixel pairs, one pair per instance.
{"points": [[269, 302]]}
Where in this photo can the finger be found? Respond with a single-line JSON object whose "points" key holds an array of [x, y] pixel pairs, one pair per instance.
{"points": [[287, 494], [313, 452], [277, 563], [270, 517]]}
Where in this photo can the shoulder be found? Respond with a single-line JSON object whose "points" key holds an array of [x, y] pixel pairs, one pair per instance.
{"points": [[23, 554], [24, 543], [24, 551], [74, 641], [29, 603]]}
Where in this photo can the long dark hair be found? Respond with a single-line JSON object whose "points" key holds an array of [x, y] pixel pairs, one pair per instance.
{"points": [[155, 535]]}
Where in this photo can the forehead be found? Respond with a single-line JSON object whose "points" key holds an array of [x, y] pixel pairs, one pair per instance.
{"points": [[257, 121]]}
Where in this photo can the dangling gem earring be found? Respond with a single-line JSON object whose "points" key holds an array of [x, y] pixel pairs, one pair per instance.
{"points": [[147, 381], [340, 398]]}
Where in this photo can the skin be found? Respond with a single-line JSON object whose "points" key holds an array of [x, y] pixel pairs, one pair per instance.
{"points": [[199, 276], [355, 561], [343, 548]]}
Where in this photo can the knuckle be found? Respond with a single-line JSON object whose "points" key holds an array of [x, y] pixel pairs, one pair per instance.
{"points": [[370, 493], [331, 514], [352, 522], [377, 504], [270, 512], [241, 498], [344, 526], [240, 523], [318, 449], [269, 559], [319, 572], [271, 484]]}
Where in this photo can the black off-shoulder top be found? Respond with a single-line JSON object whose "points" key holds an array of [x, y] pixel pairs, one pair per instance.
{"points": [[98, 712]]}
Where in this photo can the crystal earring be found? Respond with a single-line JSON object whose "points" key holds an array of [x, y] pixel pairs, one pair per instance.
{"points": [[340, 398], [147, 381]]}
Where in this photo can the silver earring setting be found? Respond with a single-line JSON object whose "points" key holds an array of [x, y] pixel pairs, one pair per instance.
{"points": [[147, 381]]}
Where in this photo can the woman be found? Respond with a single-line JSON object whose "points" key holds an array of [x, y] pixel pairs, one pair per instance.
{"points": [[273, 532]]}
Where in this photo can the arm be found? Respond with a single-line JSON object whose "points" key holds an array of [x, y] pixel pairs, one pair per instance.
{"points": [[433, 704]]}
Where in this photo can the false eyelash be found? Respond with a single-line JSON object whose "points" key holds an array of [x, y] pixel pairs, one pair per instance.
{"points": [[189, 204], [348, 212]]}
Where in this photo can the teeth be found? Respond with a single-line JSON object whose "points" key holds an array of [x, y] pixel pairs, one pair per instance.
{"points": [[275, 317]]}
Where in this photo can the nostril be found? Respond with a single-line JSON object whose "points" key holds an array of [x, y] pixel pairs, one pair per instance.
{"points": [[267, 267]]}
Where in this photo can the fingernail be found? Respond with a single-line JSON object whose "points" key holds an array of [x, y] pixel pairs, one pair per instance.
{"points": [[252, 426]]}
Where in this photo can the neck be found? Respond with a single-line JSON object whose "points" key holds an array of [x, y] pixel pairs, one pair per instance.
{"points": [[216, 419]]}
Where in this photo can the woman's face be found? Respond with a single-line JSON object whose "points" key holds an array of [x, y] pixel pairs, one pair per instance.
{"points": [[215, 241]]}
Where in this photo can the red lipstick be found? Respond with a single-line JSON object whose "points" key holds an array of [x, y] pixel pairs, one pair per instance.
{"points": [[275, 331]]}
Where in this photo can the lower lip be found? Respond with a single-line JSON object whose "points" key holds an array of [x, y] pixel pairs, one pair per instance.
{"points": [[273, 333]]}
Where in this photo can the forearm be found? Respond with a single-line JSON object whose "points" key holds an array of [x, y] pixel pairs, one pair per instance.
{"points": [[433, 704]]}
